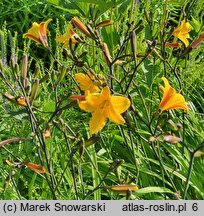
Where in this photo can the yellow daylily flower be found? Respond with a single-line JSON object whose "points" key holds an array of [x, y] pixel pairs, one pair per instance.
{"points": [[103, 106], [87, 82], [171, 99], [70, 34], [182, 32], [38, 33]]}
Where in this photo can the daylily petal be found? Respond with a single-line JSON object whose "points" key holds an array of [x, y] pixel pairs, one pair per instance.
{"points": [[38, 33], [171, 99], [43, 32], [70, 34], [97, 121], [120, 104], [82, 79], [106, 93], [46, 24], [62, 39], [186, 27], [168, 91], [92, 102], [177, 101], [182, 32], [114, 116], [183, 38], [86, 82], [166, 96]]}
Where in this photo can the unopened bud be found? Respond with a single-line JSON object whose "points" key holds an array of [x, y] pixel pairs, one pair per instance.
{"points": [[197, 42], [104, 23], [172, 139], [176, 195], [78, 24], [77, 98], [106, 53], [34, 91], [198, 153], [24, 69], [123, 188], [173, 45], [47, 133]]}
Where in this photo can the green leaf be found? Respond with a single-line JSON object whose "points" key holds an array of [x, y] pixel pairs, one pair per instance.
{"points": [[196, 24], [65, 6], [150, 70], [123, 7], [18, 114], [57, 2], [49, 106]]}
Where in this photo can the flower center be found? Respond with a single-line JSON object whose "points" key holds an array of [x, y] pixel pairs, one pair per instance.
{"points": [[104, 105]]}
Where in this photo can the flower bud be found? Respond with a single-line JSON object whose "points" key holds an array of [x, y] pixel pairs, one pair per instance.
{"points": [[173, 45], [34, 91], [77, 98], [123, 188], [36, 168], [198, 153], [24, 70], [128, 194], [104, 23], [172, 139], [47, 133], [106, 53], [77, 23], [197, 42]]}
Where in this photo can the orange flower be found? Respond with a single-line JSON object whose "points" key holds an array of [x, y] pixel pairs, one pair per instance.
{"points": [[87, 82], [21, 101], [182, 32], [38, 33], [67, 36], [103, 106], [171, 99]]}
